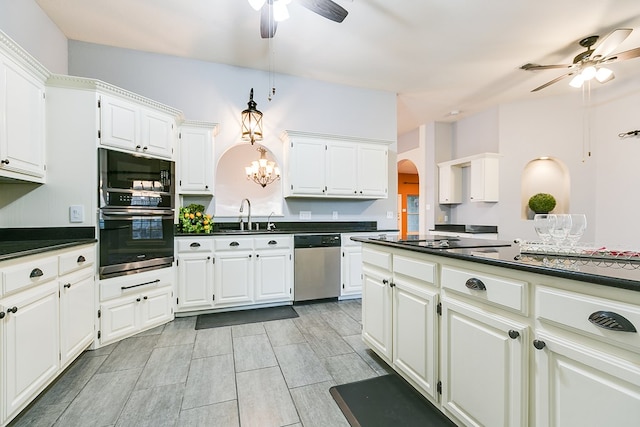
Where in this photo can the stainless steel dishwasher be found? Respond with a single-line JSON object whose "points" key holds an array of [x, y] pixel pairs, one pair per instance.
{"points": [[316, 266]]}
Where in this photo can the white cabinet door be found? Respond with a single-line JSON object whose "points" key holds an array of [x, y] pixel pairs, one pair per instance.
{"points": [[373, 170], [306, 163], [30, 342], [233, 278], [484, 367], [376, 312], [273, 275], [351, 271], [579, 386], [450, 184], [155, 308], [77, 314], [195, 281], [119, 124], [118, 319], [195, 162], [158, 133], [341, 169], [22, 123], [484, 180], [415, 333]]}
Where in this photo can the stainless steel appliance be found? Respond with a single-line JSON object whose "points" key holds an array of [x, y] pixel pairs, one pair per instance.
{"points": [[136, 219], [316, 266]]}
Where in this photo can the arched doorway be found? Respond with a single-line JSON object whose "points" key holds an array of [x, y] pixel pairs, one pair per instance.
{"points": [[408, 199]]}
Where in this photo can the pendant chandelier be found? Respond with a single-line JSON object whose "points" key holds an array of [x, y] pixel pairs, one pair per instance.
{"points": [[251, 122], [263, 171]]}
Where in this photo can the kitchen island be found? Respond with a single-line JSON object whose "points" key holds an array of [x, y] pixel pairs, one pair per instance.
{"points": [[496, 337]]}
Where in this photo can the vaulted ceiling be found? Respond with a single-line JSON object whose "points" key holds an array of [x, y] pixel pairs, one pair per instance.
{"points": [[439, 56]]}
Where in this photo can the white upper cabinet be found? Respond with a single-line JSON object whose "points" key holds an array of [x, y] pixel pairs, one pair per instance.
{"points": [[127, 125], [22, 114], [335, 166], [483, 179], [195, 160]]}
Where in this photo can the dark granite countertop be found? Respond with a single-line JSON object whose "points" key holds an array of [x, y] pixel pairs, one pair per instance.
{"points": [[294, 227], [19, 242], [615, 273]]}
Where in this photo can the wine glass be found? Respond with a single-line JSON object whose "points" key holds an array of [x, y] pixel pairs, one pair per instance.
{"points": [[578, 225], [542, 226], [559, 228]]}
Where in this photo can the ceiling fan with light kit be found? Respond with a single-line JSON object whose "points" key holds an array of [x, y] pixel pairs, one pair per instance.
{"points": [[274, 11], [591, 63]]}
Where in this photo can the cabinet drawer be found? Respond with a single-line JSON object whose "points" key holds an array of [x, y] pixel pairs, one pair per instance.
{"points": [[573, 311], [279, 241], [376, 258], [30, 273], [195, 245], [414, 268], [498, 291], [233, 243], [76, 259], [125, 285]]}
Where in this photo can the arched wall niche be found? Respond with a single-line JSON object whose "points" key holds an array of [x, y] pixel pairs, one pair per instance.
{"points": [[232, 185], [545, 175]]}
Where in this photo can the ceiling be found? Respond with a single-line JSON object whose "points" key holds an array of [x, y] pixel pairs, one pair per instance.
{"points": [[439, 56]]}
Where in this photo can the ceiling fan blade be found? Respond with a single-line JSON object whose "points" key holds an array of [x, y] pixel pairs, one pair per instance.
{"points": [[623, 56], [326, 8], [610, 42], [268, 25], [557, 79], [544, 67]]}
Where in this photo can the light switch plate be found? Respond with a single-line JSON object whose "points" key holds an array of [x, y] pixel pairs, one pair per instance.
{"points": [[305, 214], [76, 213], [334, 215]]}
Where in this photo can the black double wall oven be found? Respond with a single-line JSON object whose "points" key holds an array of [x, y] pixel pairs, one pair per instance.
{"points": [[136, 218]]}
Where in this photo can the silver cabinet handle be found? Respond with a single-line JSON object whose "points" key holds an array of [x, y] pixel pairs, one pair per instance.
{"points": [[36, 272], [81, 259], [475, 284], [194, 245], [234, 244]]}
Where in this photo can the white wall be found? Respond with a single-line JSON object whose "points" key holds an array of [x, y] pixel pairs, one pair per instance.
{"points": [[218, 93], [31, 28]]}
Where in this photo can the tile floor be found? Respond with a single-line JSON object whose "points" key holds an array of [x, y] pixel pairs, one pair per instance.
{"points": [[275, 373]]}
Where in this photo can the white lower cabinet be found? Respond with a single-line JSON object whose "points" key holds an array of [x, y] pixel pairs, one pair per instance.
{"points": [[224, 272], [30, 344], [77, 314], [376, 309], [132, 304], [484, 366]]}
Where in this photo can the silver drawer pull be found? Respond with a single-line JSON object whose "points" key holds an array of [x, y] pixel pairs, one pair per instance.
{"points": [[272, 242], [475, 284], [36, 272], [194, 245], [81, 259], [234, 243], [611, 321]]}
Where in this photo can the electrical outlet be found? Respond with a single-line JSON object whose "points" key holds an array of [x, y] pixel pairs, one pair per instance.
{"points": [[335, 215], [76, 213], [305, 214], [389, 214]]}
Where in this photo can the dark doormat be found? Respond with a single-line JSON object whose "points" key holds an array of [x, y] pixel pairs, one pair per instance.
{"points": [[230, 318], [384, 401]]}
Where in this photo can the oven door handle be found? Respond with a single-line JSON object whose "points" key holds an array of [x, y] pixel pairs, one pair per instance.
{"points": [[130, 214]]}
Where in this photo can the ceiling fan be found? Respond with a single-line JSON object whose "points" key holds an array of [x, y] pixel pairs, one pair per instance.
{"points": [[591, 63], [273, 11]]}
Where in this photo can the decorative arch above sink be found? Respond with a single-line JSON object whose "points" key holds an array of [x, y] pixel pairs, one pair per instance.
{"points": [[232, 185]]}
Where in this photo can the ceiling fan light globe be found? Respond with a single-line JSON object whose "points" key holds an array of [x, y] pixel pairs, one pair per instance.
{"points": [[588, 73], [604, 75], [577, 81], [280, 11], [257, 4]]}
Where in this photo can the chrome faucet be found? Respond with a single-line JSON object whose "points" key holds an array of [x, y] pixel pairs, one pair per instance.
{"points": [[248, 213], [270, 225]]}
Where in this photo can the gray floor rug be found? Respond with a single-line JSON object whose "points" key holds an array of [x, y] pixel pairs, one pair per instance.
{"points": [[230, 318], [384, 401]]}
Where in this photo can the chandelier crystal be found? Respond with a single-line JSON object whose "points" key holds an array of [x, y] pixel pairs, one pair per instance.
{"points": [[262, 171]]}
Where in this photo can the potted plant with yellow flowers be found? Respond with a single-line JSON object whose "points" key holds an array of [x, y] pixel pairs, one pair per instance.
{"points": [[194, 220]]}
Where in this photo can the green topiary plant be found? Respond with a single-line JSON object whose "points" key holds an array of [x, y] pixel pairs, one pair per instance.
{"points": [[542, 203]]}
